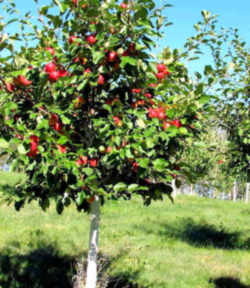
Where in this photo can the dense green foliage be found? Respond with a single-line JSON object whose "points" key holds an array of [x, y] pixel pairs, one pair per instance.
{"points": [[86, 110]]}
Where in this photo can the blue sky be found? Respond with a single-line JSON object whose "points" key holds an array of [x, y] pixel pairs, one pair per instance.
{"points": [[185, 13]]}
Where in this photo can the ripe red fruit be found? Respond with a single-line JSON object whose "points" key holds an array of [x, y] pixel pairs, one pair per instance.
{"points": [[50, 50], [108, 149], [136, 90], [166, 125], [50, 67], [88, 70], [161, 115], [58, 126], [148, 95], [34, 138], [54, 76], [152, 113], [161, 67], [135, 166], [33, 146], [124, 5], [55, 122], [112, 56], [63, 73], [62, 148], [93, 162], [153, 85], [220, 161], [75, 2], [160, 75], [72, 39], [10, 87], [91, 39], [117, 121], [82, 160], [22, 81], [176, 123], [166, 73], [101, 80]]}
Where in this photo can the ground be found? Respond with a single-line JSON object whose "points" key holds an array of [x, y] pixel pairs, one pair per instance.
{"points": [[194, 243]]}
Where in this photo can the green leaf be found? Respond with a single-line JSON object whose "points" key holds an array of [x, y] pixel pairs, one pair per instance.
{"points": [[97, 56], [80, 198], [128, 60], [204, 99], [144, 162], [183, 131], [21, 149], [120, 187], [88, 171], [4, 144], [132, 187], [160, 164]]}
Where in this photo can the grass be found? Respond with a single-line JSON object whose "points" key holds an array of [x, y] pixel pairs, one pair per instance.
{"points": [[195, 243]]}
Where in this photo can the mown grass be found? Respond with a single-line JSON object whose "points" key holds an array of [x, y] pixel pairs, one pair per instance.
{"points": [[195, 243]]}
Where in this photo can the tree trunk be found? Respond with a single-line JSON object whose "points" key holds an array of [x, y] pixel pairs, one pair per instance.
{"points": [[235, 191], [174, 188], [247, 192], [91, 278], [191, 189]]}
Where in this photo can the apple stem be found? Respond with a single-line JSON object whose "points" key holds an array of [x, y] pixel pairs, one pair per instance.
{"points": [[91, 278]]}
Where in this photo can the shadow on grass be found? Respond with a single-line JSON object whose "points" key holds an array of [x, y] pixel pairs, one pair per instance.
{"points": [[203, 234], [44, 266], [227, 282]]}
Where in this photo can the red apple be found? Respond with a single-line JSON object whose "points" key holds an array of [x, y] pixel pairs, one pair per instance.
{"points": [[62, 148], [176, 123], [50, 67], [10, 87], [135, 166], [160, 75], [124, 5], [93, 162], [101, 80], [161, 67], [50, 50], [117, 121], [136, 90], [72, 39], [91, 39], [63, 73], [148, 95], [22, 81], [88, 70], [166, 125], [108, 149], [112, 56], [54, 76], [82, 160]]}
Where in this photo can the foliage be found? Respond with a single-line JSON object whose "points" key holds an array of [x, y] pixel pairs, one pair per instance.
{"points": [[86, 110]]}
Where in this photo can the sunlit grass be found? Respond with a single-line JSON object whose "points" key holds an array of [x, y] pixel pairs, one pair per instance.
{"points": [[182, 245]]}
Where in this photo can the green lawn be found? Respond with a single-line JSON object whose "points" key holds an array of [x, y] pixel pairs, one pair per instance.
{"points": [[195, 243]]}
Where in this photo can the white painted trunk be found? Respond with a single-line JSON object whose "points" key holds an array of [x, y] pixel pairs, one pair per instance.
{"points": [[247, 192], [91, 278], [235, 191], [174, 188], [191, 189]]}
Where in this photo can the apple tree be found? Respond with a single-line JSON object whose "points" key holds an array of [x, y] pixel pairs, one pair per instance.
{"points": [[87, 112]]}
